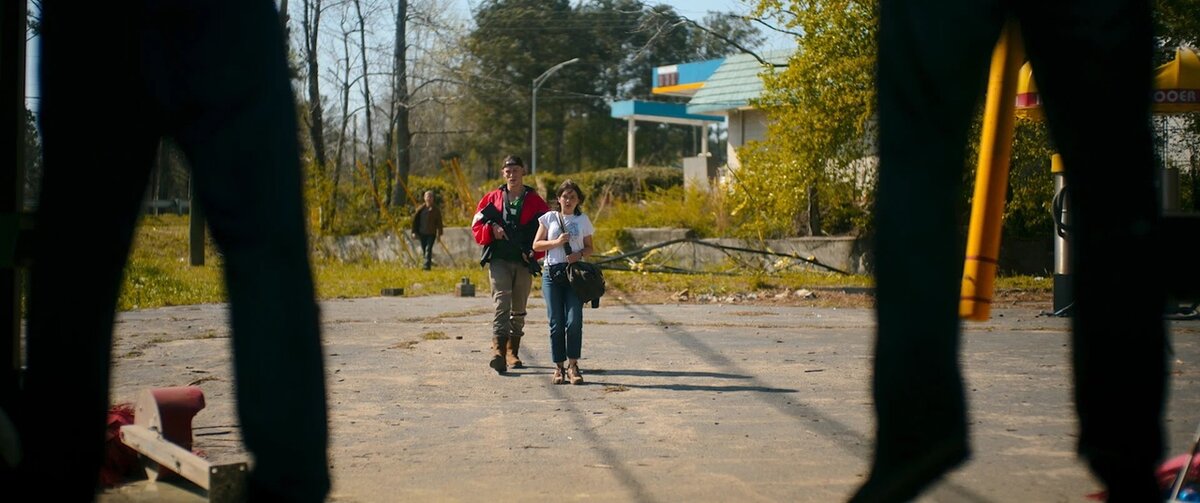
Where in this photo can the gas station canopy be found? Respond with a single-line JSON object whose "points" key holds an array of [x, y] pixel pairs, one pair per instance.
{"points": [[657, 111]]}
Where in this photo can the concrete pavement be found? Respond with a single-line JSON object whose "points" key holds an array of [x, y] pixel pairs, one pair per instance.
{"points": [[690, 402]]}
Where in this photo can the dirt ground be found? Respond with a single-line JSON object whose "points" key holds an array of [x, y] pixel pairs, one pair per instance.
{"points": [[756, 400], [831, 297]]}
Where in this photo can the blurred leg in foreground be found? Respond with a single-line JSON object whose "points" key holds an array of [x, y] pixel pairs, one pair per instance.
{"points": [[212, 74], [1093, 67]]}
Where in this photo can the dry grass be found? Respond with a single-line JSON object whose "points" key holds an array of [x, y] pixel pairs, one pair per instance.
{"points": [[159, 275]]}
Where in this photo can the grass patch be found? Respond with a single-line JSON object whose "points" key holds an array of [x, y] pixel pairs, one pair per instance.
{"points": [[1028, 283], [159, 275], [335, 280], [404, 345], [159, 271], [434, 336]]}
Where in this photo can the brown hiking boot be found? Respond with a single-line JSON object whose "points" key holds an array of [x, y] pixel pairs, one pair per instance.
{"points": [[573, 374], [514, 361], [497, 363], [558, 375]]}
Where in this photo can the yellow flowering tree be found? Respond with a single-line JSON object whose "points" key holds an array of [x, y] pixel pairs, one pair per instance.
{"points": [[813, 173]]}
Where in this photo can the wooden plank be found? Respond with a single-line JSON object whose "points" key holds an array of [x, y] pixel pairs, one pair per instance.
{"points": [[151, 444]]}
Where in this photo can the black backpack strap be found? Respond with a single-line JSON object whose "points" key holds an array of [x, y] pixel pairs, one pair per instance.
{"points": [[562, 227]]}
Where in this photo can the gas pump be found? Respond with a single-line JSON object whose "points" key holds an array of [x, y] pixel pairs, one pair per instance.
{"points": [[1060, 210]]}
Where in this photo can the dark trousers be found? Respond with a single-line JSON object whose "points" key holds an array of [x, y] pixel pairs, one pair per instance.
{"points": [[427, 241], [1092, 61], [212, 74]]}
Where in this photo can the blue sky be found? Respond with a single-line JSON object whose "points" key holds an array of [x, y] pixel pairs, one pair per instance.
{"points": [[696, 9]]}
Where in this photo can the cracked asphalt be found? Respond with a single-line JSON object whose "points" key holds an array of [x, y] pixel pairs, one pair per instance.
{"points": [[682, 402]]}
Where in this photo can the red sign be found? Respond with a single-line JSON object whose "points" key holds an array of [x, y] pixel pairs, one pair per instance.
{"points": [[1028, 100]]}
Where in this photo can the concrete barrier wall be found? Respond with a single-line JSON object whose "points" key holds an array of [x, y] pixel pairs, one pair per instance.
{"points": [[848, 254], [458, 247], [843, 253]]}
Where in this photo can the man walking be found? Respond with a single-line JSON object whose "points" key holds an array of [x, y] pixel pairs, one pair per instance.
{"points": [[427, 227], [505, 223]]}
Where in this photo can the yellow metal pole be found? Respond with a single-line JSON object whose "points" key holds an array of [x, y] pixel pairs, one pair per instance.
{"points": [[386, 215], [411, 199], [991, 177]]}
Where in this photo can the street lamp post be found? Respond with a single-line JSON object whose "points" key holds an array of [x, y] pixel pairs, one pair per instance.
{"points": [[533, 116]]}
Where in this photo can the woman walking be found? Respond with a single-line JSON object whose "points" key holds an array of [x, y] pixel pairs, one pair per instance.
{"points": [[566, 237]]}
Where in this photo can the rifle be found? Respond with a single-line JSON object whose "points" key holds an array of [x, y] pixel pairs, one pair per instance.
{"points": [[491, 215]]}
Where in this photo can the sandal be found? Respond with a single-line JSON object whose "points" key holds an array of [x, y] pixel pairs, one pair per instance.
{"points": [[573, 374]]}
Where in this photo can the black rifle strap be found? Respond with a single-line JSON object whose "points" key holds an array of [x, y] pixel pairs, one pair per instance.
{"points": [[562, 227]]}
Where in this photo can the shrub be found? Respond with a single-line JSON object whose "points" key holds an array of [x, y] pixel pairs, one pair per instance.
{"points": [[608, 186]]}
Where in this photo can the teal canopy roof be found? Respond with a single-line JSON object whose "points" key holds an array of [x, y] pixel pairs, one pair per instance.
{"points": [[735, 83]]}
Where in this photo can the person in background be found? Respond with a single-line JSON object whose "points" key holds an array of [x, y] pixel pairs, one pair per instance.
{"points": [[505, 223], [213, 75], [427, 227], [558, 231], [1092, 59]]}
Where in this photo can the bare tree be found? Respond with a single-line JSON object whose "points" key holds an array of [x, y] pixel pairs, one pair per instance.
{"points": [[339, 76], [399, 116], [316, 122], [366, 88], [344, 85], [400, 129]]}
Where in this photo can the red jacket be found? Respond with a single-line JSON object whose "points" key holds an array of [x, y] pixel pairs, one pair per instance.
{"points": [[532, 208]]}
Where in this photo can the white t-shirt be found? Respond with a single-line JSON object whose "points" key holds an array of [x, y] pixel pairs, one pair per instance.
{"points": [[578, 226]]}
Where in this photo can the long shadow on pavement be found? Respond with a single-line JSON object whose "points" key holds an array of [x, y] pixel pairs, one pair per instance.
{"points": [[696, 387], [849, 439], [664, 373], [626, 478]]}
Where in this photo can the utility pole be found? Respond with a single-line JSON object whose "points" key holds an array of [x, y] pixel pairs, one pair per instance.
{"points": [[533, 116]]}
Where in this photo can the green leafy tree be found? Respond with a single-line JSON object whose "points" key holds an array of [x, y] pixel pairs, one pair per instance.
{"points": [[515, 41], [1176, 23], [820, 109], [618, 42]]}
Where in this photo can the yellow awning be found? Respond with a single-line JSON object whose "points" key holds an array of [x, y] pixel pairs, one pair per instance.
{"points": [[1176, 87], [1029, 102], [1177, 84]]}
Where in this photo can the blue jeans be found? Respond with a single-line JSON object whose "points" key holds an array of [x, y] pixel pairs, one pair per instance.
{"points": [[565, 311]]}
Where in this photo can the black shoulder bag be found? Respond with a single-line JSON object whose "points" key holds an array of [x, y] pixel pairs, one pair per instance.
{"points": [[585, 278]]}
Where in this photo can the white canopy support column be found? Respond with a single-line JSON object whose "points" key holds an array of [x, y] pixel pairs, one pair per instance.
{"points": [[704, 139], [629, 143], [659, 112]]}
